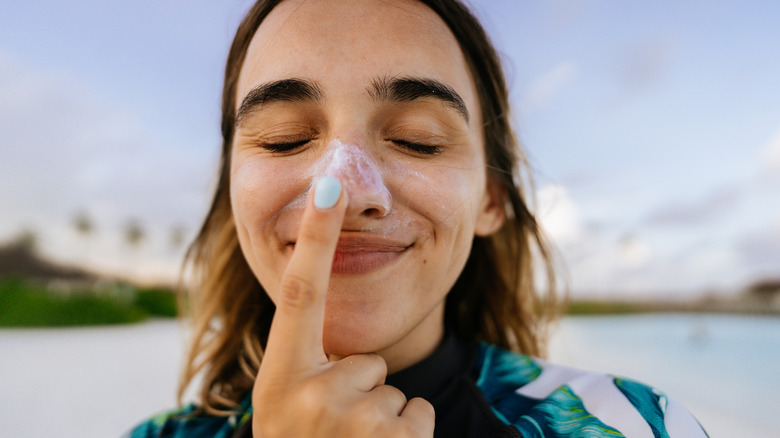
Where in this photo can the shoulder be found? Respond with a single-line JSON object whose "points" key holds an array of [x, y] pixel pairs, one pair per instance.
{"points": [[541, 399], [189, 421]]}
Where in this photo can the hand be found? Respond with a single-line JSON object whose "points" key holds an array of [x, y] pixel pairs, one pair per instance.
{"points": [[298, 392]]}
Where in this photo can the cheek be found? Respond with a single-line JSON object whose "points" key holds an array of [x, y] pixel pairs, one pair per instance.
{"points": [[448, 197], [263, 196], [256, 192]]}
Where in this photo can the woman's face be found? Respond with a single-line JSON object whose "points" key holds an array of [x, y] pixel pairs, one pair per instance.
{"points": [[377, 94]]}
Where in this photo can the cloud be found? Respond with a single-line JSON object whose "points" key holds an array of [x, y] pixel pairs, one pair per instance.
{"points": [[47, 127], [761, 247], [770, 154], [708, 266], [634, 251], [679, 259], [622, 266], [545, 87], [558, 214], [598, 258], [65, 150], [710, 207]]}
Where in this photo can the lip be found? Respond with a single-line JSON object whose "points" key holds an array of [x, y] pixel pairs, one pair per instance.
{"points": [[362, 254]]}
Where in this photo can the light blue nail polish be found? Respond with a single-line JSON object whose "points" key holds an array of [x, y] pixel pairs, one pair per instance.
{"points": [[327, 192]]}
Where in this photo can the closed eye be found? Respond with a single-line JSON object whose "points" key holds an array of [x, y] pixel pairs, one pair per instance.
{"points": [[418, 148], [284, 146]]}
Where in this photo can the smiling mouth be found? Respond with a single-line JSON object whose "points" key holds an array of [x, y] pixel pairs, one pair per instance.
{"points": [[357, 255]]}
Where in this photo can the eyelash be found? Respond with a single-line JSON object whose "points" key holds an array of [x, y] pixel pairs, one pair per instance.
{"points": [[418, 148], [284, 147], [411, 146]]}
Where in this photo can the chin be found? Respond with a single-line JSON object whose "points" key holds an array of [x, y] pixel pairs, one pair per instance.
{"points": [[348, 335]]}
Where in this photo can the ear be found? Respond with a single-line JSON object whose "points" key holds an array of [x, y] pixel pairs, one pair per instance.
{"points": [[492, 214]]}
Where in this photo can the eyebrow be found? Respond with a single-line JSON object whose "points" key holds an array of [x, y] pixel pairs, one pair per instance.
{"points": [[285, 90], [408, 89], [404, 89]]}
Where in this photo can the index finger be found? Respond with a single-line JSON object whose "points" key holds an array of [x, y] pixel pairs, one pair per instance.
{"points": [[295, 339]]}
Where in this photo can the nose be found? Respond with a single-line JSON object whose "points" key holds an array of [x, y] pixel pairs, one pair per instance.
{"points": [[362, 179]]}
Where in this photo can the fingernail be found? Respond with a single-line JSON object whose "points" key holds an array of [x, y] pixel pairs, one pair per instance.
{"points": [[327, 192]]}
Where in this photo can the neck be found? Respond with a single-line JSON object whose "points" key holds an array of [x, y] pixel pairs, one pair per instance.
{"points": [[416, 345]]}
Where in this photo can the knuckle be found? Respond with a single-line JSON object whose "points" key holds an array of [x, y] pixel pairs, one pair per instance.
{"points": [[398, 395], [368, 420], [367, 413], [297, 291], [377, 361], [425, 406]]}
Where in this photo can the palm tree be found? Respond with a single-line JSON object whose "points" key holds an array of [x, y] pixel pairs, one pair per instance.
{"points": [[178, 237], [85, 228], [135, 234], [83, 223]]}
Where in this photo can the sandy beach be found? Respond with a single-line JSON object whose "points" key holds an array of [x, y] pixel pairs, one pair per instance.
{"points": [[99, 382]]}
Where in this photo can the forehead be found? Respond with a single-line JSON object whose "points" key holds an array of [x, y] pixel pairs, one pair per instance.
{"points": [[351, 42]]}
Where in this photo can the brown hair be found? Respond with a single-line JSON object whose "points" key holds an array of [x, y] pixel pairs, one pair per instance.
{"points": [[495, 298]]}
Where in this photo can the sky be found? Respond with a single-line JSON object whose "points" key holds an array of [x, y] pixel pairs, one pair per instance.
{"points": [[652, 130]]}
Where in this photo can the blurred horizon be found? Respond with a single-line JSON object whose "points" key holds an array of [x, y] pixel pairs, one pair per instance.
{"points": [[652, 130]]}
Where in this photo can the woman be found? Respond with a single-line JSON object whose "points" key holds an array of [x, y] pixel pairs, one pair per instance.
{"points": [[366, 265]]}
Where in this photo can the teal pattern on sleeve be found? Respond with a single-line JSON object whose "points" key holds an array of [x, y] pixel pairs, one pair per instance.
{"points": [[562, 415], [187, 422], [544, 400], [650, 403]]}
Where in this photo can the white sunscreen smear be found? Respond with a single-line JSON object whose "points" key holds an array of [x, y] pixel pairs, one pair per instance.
{"points": [[358, 173]]}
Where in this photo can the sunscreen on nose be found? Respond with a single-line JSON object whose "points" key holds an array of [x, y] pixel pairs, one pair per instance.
{"points": [[326, 192], [357, 172]]}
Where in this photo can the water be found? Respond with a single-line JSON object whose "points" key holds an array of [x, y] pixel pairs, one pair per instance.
{"points": [[723, 368], [98, 382]]}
